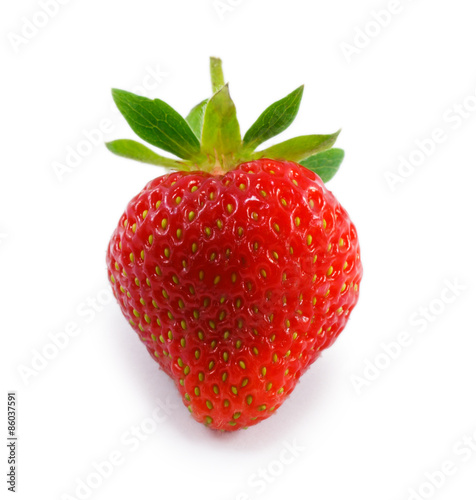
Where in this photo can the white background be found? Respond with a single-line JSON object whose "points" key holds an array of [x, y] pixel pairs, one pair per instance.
{"points": [[375, 441]]}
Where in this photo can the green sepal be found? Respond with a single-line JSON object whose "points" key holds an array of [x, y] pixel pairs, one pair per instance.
{"points": [[298, 148], [134, 150], [158, 124], [196, 116], [209, 139], [325, 164], [221, 132], [274, 120]]}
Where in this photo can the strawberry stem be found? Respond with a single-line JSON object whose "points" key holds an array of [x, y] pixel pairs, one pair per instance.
{"points": [[216, 73]]}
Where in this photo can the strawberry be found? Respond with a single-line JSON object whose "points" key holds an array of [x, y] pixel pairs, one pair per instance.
{"points": [[238, 269]]}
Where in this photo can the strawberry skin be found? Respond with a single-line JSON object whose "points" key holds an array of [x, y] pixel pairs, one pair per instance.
{"points": [[236, 282]]}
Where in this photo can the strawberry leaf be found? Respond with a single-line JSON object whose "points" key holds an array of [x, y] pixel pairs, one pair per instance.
{"points": [[158, 124], [299, 148], [196, 116], [136, 151], [274, 120], [221, 131], [325, 164]]}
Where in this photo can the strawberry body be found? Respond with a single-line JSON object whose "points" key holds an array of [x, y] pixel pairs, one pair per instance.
{"points": [[236, 282]]}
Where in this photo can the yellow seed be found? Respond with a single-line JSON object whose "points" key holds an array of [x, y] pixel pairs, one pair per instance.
{"points": [[167, 252], [225, 356], [144, 214], [178, 200], [341, 242], [242, 365], [309, 239], [131, 257], [134, 227], [157, 205], [229, 208], [216, 280], [179, 234], [329, 271], [297, 221]]}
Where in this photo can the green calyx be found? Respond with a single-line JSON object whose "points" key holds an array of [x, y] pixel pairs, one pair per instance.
{"points": [[209, 138]]}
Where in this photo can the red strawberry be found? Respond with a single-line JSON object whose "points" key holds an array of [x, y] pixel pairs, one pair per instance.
{"points": [[235, 276]]}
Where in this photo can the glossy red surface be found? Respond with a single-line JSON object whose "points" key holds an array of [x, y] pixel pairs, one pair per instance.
{"points": [[236, 283]]}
